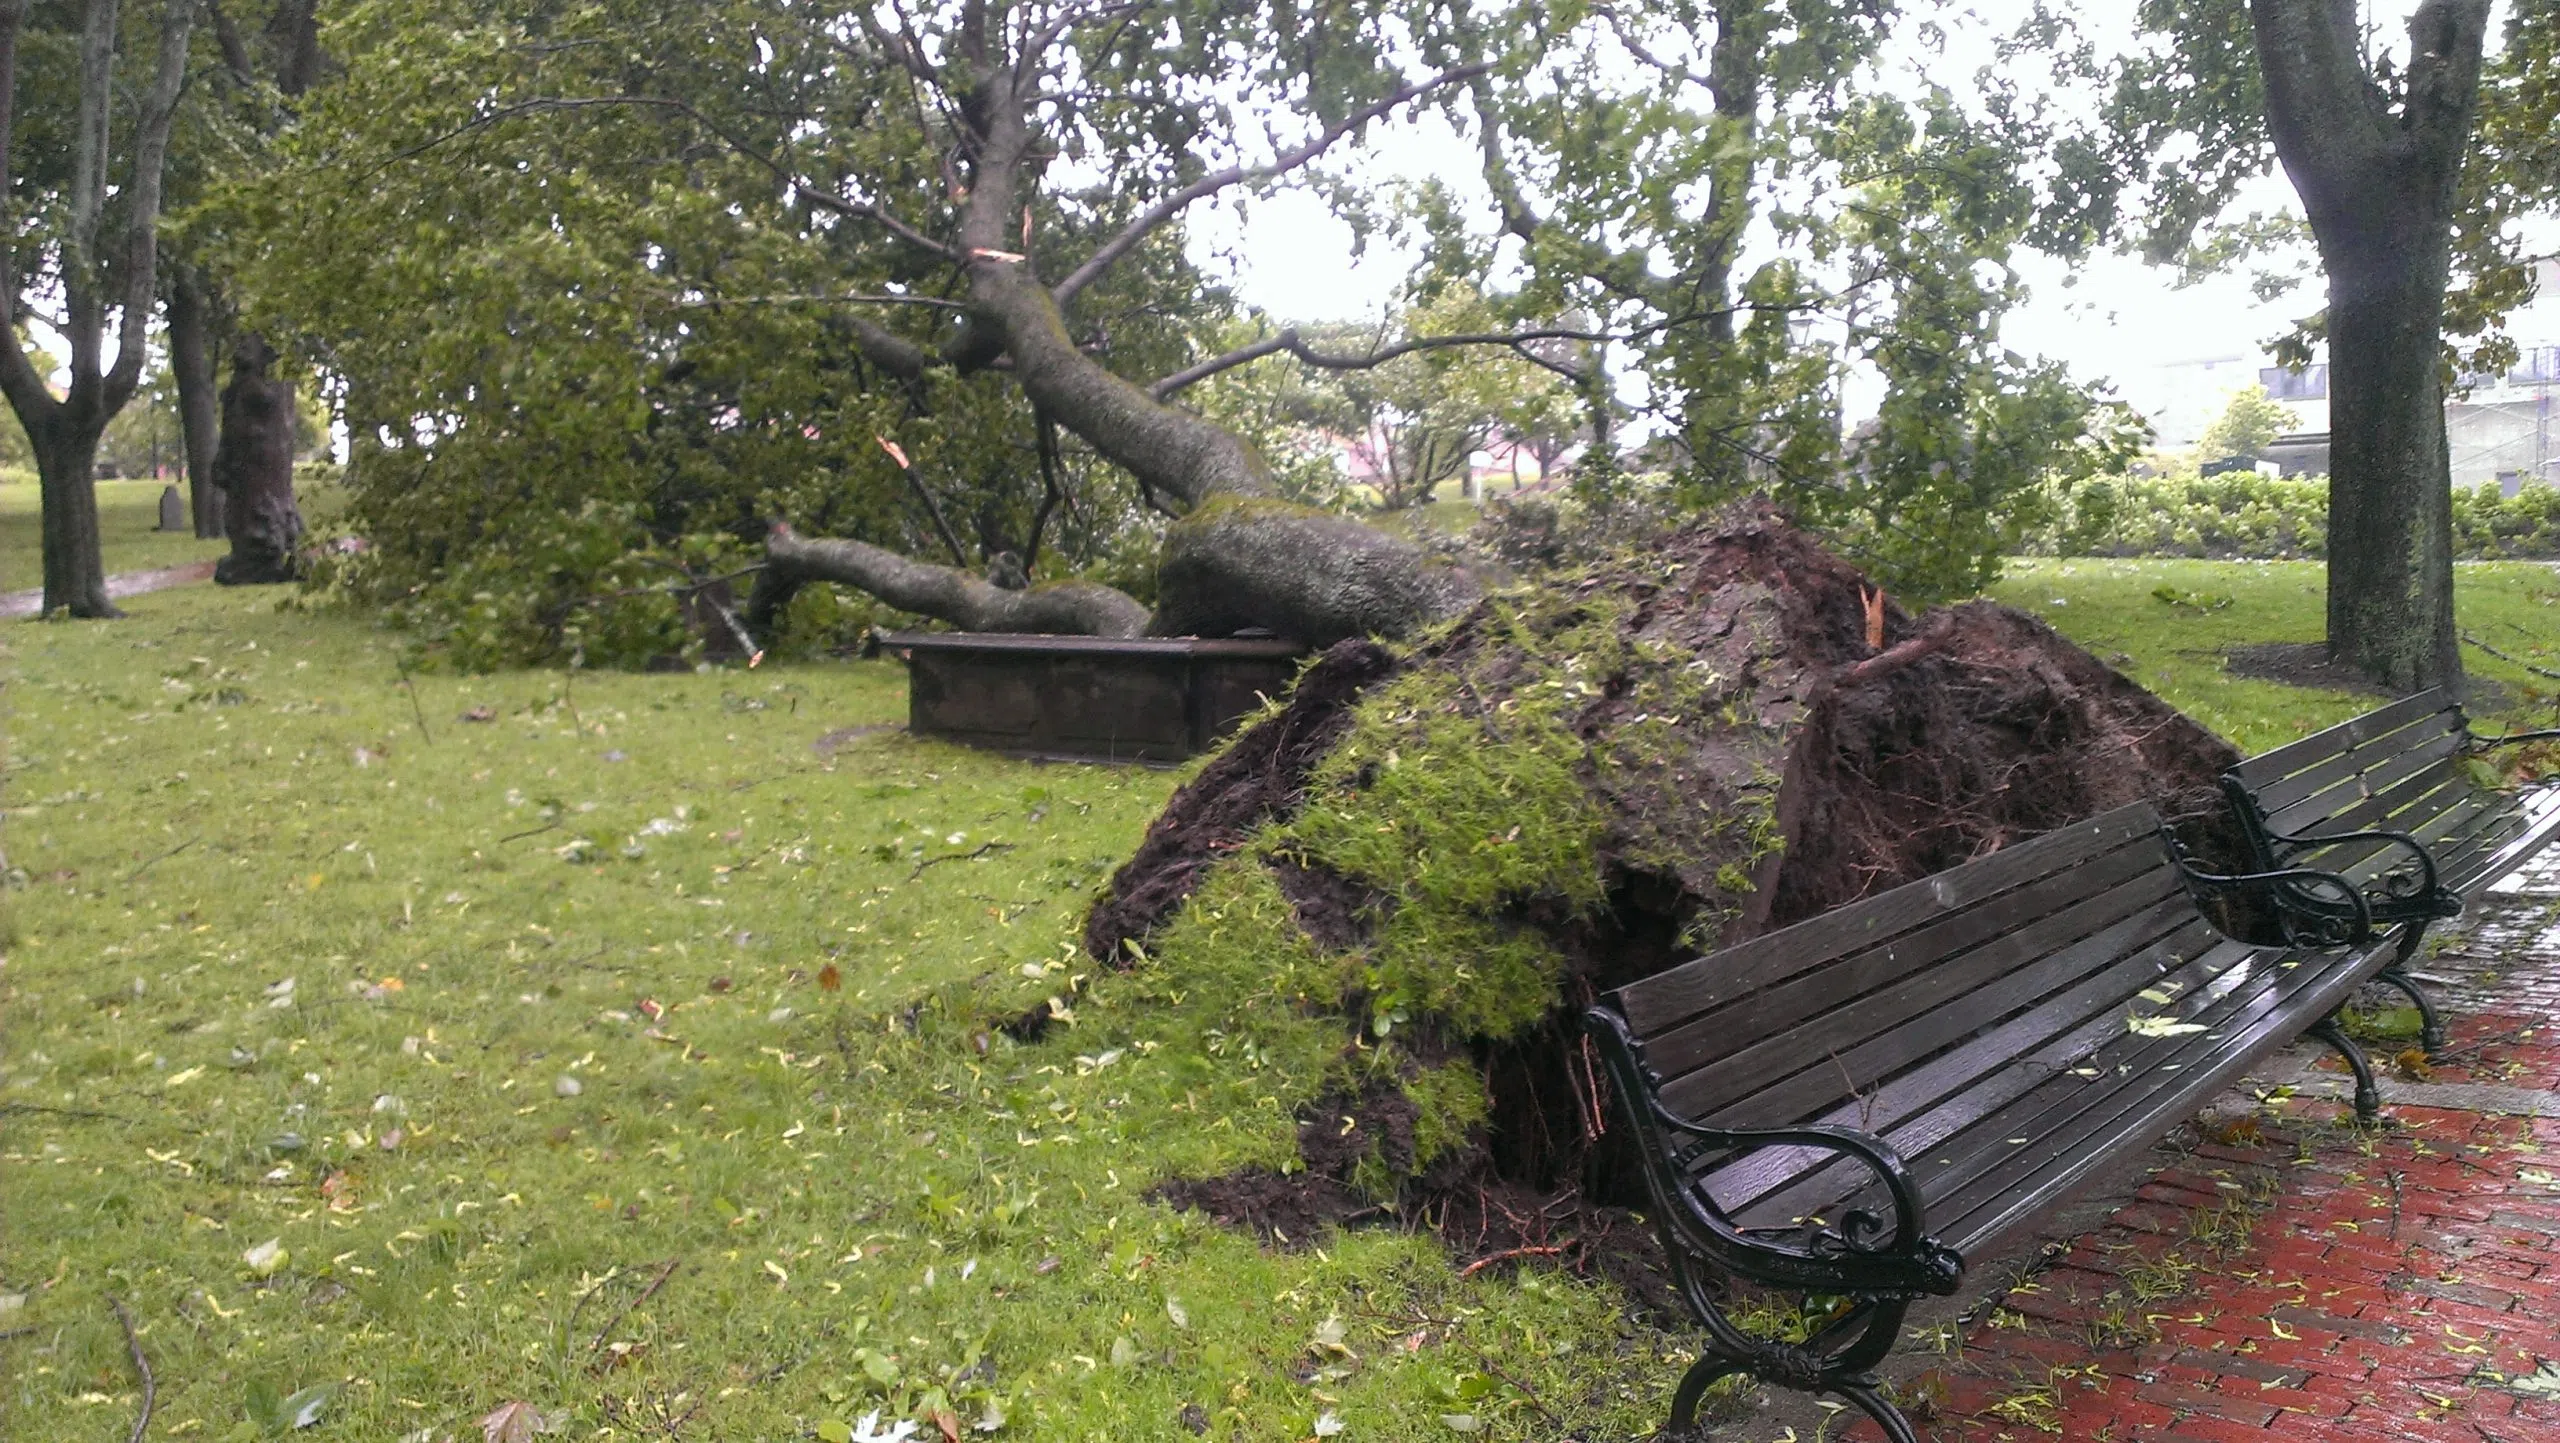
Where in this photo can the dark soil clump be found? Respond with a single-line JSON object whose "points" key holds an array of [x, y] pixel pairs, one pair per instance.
{"points": [[1577, 786], [1257, 777]]}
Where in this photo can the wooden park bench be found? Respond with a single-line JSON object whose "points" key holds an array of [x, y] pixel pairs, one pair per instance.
{"points": [[2392, 802], [1855, 1105]]}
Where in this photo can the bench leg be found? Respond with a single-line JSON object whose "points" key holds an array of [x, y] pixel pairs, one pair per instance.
{"points": [[1840, 1359], [2430, 1025], [2368, 1094]]}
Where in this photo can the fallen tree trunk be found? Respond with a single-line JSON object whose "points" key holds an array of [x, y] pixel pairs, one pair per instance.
{"points": [[1406, 885], [945, 593], [1309, 575]]}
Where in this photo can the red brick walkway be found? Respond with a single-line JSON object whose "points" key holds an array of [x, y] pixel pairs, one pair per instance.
{"points": [[2297, 1278]]}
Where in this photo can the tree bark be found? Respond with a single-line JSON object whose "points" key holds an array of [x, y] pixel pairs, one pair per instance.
{"points": [[2390, 603], [945, 593], [254, 467], [199, 399], [75, 578], [1239, 562], [2378, 183]]}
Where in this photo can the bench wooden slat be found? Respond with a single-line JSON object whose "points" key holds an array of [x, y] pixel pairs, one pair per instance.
{"points": [[2433, 807], [2248, 1000], [2270, 1016], [2343, 769], [2382, 775], [1839, 1006], [2350, 808], [2537, 825], [2346, 736], [2034, 990], [1947, 1094], [1660, 1002]]}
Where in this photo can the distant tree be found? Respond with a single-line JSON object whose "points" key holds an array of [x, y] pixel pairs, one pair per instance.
{"points": [[2246, 427], [88, 170], [146, 436], [1419, 420]]}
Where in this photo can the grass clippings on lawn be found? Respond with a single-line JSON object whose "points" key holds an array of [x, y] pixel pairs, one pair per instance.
{"points": [[625, 1055]]}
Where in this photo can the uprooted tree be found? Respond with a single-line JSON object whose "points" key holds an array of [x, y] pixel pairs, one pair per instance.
{"points": [[1402, 889], [966, 224]]}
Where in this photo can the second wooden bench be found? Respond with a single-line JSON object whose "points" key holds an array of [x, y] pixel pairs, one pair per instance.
{"points": [[1855, 1105]]}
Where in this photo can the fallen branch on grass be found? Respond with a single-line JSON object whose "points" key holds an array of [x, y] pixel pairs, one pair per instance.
{"points": [[625, 1311], [983, 849], [141, 1365], [2511, 660]]}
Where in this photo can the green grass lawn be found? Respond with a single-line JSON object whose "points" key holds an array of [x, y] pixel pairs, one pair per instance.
{"points": [[127, 512], [485, 1027], [629, 1054], [2177, 649]]}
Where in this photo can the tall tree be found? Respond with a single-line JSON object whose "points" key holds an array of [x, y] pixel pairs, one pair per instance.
{"points": [[96, 240], [246, 490], [2416, 243], [2377, 160], [982, 193]]}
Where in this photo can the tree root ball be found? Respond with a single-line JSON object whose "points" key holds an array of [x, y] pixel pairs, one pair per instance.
{"points": [[1405, 884]]}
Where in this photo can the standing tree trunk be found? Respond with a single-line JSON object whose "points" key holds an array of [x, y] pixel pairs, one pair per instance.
{"points": [[2377, 173], [75, 577], [254, 467], [199, 399]]}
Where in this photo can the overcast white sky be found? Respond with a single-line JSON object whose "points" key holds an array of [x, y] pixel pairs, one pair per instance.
{"points": [[2116, 320]]}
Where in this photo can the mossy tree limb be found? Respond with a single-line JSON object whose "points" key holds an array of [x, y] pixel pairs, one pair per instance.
{"points": [[1073, 608]]}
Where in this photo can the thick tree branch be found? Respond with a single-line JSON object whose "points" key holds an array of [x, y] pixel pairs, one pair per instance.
{"points": [[25, 389], [888, 350], [2446, 38], [1291, 342], [1166, 209], [1072, 608], [2322, 109], [142, 221]]}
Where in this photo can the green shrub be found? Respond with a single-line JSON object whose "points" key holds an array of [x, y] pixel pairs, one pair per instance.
{"points": [[2242, 516]]}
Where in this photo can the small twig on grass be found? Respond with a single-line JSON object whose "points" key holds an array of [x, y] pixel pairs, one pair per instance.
{"points": [[625, 1311], [1480, 1264], [164, 856], [410, 685], [2511, 660], [569, 1329], [981, 850], [141, 1365], [8, 1109], [1496, 1369], [536, 832]]}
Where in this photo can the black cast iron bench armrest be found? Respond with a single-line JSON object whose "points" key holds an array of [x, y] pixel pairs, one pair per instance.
{"points": [[2309, 920], [1855, 1252], [2426, 860]]}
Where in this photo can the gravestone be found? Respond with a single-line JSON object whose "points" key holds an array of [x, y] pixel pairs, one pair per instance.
{"points": [[173, 510]]}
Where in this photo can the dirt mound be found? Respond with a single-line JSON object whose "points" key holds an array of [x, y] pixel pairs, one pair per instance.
{"points": [[1579, 785]]}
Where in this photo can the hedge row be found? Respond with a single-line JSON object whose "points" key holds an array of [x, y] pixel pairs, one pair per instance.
{"points": [[2243, 516]]}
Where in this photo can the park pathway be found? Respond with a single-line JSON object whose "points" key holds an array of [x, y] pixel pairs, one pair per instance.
{"points": [[2293, 1278], [16, 604]]}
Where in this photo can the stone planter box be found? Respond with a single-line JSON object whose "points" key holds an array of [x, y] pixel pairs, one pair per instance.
{"points": [[1084, 698]]}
